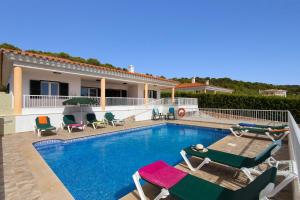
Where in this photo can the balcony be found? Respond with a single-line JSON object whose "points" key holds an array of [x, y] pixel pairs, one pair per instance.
{"points": [[45, 101]]}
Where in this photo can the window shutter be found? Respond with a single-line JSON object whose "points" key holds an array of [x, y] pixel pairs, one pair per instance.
{"points": [[35, 87], [99, 92], [63, 89]]}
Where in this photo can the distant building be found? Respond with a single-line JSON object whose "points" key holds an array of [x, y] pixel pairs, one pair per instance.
{"points": [[201, 87], [273, 92]]}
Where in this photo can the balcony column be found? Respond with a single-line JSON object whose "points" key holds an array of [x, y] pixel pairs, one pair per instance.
{"points": [[215, 92], [173, 95], [146, 94], [103, 97], [18, 87]]}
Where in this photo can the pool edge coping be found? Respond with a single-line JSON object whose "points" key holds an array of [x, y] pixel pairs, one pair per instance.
{"points": [[46, 176]]}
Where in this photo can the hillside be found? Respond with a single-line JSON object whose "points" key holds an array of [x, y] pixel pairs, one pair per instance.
{"points": [[92, 61], [242, 87]]}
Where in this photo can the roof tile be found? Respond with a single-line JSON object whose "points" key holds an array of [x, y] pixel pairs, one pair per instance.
{"points": [[52, 58]]}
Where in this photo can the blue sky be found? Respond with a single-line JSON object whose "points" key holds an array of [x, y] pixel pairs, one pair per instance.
{"points": [[251, 40]]}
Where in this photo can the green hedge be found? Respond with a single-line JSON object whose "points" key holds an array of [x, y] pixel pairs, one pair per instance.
{"points": [[244, 102]]}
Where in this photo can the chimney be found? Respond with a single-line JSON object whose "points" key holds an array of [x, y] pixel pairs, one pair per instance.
{"points": [[207, 82], [131, 68], [193, 80]]}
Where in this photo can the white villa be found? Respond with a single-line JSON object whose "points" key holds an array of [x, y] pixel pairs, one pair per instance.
{"points": [[201, 88], [273, 92], [38, 84]]}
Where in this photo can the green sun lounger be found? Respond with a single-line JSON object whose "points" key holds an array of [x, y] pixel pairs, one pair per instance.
{"points": [[42, 124], [263, 126], [272, 127], [155, 114], [171, 113], [91, 119], [110, 118], [180, 185], [270, 133], [70, 123], [245, 164]]}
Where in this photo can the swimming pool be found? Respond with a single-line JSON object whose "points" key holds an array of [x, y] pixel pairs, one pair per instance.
{"points": [[100, 167]]}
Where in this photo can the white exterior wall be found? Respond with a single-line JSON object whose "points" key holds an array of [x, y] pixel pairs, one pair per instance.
{"points": [[26, 121], [74, 81]]}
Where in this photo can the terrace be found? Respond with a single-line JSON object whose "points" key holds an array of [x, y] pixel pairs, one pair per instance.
{"points": [[35, 180]]}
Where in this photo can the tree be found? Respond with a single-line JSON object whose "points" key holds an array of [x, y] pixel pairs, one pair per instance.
{"points": [[9, 46], [93, 61]]}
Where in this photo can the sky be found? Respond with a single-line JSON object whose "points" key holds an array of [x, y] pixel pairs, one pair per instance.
{"points": [[250, 40]]}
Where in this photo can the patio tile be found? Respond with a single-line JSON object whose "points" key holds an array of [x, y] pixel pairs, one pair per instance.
{"points": [[24, 175]]}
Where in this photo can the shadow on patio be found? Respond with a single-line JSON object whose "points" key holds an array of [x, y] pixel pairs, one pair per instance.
{"points": [[2, 196]]}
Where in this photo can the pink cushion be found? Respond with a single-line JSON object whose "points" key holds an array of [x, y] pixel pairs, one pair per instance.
{"points": [[161, 174], [75, 125]]}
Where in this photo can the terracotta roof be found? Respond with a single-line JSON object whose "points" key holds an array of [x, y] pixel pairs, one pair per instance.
{"points": [[57, 59], [189, 85]]}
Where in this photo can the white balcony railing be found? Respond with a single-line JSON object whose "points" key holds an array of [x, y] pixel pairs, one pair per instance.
{"points": [[126, 101], [178, 101], [41, 101]]}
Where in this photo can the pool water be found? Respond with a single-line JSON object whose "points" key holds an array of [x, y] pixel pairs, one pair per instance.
{"points": [[101, 167]]}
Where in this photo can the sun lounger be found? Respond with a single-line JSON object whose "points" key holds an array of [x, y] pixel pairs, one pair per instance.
{"points": [[155, 114], [263, 126], [171, 113], [245, 164], [184, 186], [42, 124], [70, 123], [270, 133], [91, 119], [110, 118]]}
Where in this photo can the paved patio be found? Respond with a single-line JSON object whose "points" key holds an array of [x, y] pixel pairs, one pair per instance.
{"points": [[25, 175]]}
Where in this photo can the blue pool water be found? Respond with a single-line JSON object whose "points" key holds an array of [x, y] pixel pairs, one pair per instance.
{"points": [[101, 167]]}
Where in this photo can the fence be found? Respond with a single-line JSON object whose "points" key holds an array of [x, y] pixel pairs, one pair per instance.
{"points": [[40, 101], [243, 114], [125, 101], [179, 101], [37, 101]]}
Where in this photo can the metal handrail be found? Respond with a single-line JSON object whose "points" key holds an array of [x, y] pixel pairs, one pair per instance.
{"points": [[244, 114]]}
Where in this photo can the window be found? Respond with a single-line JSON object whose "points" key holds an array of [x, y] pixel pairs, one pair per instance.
{"points": [[116, 93], [152, 94], [90, 92], [49, 88], [84, 91], [44, 88]]}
